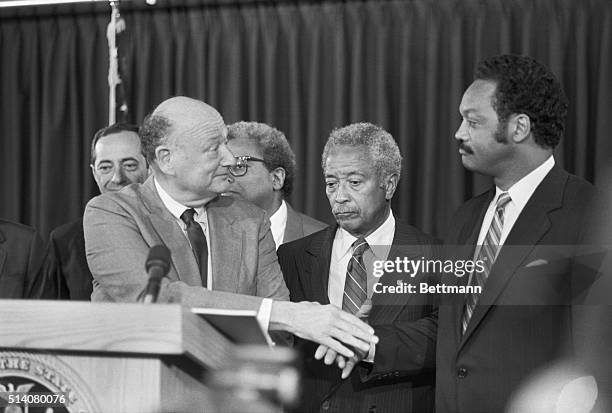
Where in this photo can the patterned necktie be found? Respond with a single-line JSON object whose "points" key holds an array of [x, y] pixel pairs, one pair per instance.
{"points": [[487, 254], [198, 243], [355, 285]]}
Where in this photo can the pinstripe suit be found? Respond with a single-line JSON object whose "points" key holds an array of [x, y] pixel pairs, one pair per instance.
{"points": [[305, 264]]}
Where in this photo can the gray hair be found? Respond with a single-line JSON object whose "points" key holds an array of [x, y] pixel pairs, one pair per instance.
{"points": [[380, 144], [153, 132], [274, 147]]}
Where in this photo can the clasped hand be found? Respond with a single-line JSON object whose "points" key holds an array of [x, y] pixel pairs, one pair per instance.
{"points": [[346, 364]]}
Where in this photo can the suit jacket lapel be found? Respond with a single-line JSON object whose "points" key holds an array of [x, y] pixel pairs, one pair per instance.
{"points": [[532, 224], [226, 242], [317, 275], [468, 236], [168, 230], [294, 228], [387, 306]]}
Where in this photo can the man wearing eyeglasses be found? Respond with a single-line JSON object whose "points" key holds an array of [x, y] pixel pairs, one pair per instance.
{"points": [[263, 175], [222, 251]]}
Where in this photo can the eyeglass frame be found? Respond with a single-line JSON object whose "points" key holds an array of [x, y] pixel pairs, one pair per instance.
{"points": [[244, 161]]}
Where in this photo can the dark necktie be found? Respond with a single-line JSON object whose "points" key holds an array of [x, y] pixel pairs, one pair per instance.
{"points": [[198, 242], [355, 285], [487, 253]]}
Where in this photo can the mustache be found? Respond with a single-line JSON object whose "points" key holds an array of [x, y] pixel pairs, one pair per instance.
{"points": [[465, 148], [343, 211]]}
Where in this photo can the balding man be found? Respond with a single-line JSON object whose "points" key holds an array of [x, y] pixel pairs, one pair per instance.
{"points": [[223, 254]]}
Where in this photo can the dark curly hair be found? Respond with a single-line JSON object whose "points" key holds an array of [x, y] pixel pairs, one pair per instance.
{"points": [[274, 147], [526, 86]]}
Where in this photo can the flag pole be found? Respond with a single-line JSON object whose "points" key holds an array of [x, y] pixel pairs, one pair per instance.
{"points": [[116, 25]]}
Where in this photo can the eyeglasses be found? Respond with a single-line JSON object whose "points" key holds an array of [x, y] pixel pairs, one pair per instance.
{"points": [[242, 165]]}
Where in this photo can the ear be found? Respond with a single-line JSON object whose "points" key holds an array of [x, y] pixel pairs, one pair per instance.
{"points": [[163, 158], [390, 185], [519, 127], [93, 170], [278, 178]]}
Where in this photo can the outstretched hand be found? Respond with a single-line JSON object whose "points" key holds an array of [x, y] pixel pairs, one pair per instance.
{"points": [[324, 324]]}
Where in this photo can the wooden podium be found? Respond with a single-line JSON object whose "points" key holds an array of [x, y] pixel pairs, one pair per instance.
{"points": [[109, 357]]}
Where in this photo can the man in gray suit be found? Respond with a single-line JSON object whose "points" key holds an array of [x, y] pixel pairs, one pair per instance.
{"points": [[220, 246], [264, 175]]}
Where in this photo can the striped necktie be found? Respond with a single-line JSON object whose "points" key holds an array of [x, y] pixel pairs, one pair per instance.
{"points": [[487, 254], [355, 285]]}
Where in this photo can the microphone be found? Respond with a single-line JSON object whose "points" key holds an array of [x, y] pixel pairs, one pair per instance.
{"points": [[157, 266]]}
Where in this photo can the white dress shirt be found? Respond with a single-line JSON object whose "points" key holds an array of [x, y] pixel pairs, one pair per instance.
{"points": [[519, 193], [278, 223], [380, 243], [177, 209]]}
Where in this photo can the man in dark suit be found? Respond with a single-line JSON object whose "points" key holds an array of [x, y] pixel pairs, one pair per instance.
{"points": [[264, 176], [222, 251], [525, 229], [116, 161], [21, 253], [362, 165]]}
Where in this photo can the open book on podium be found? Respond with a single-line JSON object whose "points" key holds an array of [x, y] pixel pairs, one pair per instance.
{"points": [[239, 326]]}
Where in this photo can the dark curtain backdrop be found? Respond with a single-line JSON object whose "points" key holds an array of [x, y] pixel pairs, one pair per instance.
{"points": [[305, 67]]}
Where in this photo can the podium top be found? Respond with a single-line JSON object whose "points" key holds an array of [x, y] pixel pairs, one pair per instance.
{"points": [[79, 326]]}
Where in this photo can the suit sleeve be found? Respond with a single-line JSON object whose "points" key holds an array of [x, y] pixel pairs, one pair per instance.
{"points": [[116, 252], [405, 347], [34, 277]]}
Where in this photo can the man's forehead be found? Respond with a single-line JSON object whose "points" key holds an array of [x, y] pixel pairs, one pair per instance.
{"points": [[242, 147], [123, 141], [478, 96], [190, 116], [347, 159]]}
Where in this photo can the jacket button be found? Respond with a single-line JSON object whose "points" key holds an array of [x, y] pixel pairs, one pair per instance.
{"points": [[462, 372], [325, 405]]}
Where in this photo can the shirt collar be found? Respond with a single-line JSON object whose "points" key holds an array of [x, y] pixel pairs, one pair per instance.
{"points": [[379, 241], [522, 190], [175, 207], [278, 223]]}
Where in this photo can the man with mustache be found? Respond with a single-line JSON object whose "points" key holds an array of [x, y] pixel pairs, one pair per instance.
{"points": [[222, 251], [534, 232], [524, 228], [362, 166], [264, 175], [116, 160]]}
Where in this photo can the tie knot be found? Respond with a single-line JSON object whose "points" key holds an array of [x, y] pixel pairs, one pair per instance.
{"points": [[359, 246], [187, 216], [503, 199]]}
